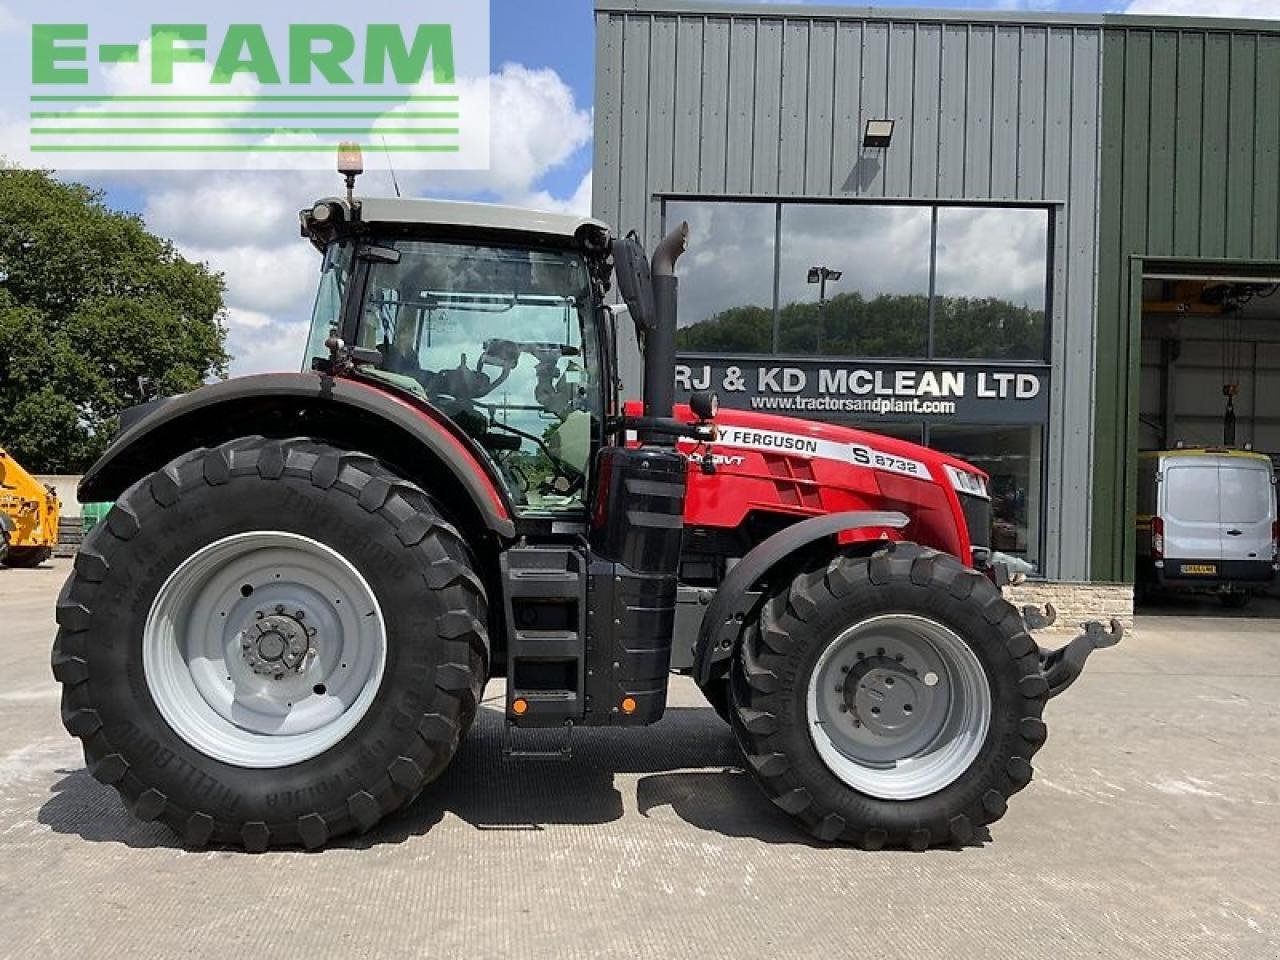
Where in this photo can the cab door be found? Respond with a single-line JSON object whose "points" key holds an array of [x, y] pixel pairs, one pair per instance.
{"points": [[1247, 507], [1191, 510]]}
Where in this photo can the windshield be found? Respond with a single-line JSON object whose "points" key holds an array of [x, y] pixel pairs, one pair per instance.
{"points": [[502, 340], [326, 317]]}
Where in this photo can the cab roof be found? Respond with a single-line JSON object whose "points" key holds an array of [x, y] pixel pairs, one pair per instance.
{"points": [[479, 216]]}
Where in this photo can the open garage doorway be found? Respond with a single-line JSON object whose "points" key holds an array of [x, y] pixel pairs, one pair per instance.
{"points": [[1208, 440]]}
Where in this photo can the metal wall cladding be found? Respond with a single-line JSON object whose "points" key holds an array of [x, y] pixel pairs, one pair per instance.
{"points": [[775, 104], [1190, 169], [695, 102]]}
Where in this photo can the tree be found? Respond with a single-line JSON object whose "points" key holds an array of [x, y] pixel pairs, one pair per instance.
{"points": [[90, 302]]}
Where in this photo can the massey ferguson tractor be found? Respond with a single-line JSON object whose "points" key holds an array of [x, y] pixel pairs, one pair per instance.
{"points": [[281, 631]]}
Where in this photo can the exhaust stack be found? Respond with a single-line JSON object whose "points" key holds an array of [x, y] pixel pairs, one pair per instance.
{"points": [[660, 345]]}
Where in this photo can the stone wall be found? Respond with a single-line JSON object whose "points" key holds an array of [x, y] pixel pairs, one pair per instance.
{"points": [[1077, 603]]}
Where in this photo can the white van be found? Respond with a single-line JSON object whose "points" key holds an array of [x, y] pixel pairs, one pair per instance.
{"points": [[1207, 522]]}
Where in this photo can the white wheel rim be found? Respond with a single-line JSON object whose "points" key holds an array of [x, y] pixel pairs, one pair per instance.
{"points": [[898, 707], [210, 644]]}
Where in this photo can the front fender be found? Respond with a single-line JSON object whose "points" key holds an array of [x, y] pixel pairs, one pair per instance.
{"points": [[722, 624], [408, 434]]}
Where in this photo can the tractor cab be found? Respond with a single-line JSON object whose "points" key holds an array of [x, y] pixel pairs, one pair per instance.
{"points": [[492, 315]]}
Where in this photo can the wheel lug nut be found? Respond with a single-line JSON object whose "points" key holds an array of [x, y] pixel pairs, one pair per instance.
{"points": [[299, 615], [844, 669]]}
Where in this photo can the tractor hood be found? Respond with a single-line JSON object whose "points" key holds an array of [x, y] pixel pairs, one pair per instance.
{"points": [[785, 467], [814, 440]]}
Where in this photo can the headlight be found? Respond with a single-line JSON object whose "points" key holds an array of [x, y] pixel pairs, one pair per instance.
{"points": [[970, 483]]}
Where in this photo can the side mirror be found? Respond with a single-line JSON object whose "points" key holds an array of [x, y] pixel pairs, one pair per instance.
{"points": [[635, 282]]}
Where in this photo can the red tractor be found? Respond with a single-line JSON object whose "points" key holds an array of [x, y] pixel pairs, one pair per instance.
{"points": [[281, 631]]}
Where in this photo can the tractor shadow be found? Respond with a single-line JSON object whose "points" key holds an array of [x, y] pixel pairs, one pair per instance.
{"points": [[83, 807], [688, 764]]}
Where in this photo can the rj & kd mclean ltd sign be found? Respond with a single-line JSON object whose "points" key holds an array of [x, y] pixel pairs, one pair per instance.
{"points": [[961, 392]]}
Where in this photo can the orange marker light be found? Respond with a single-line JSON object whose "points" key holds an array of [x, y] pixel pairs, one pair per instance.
{"points": [[628, 704], [520, 707]]}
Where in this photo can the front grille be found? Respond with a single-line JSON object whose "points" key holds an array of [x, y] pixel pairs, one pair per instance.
{"points": [[977, 516]]}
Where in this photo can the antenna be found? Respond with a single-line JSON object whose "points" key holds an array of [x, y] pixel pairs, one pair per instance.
{"points": [[395, 183]]}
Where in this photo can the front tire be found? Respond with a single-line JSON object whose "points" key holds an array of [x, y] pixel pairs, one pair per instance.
{"points": [[892, 701], [271, 643]]}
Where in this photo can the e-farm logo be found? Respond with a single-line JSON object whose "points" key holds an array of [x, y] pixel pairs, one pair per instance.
{"points": [[199, 94]]}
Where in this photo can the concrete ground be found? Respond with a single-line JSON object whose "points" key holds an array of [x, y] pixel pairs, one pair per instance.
{"points": [[1152, 830]]}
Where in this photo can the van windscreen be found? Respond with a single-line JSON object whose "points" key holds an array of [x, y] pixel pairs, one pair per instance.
{"points": [[1246, 494]]}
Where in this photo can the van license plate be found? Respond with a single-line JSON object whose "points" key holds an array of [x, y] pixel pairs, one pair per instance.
{"points": [[1199, 569]]}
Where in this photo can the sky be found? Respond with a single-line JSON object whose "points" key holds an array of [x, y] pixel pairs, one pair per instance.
{"points": [[244, 225]]}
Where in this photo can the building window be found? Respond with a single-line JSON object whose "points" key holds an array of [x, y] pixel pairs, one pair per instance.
{"points": [[880, 305], [991, 285], [1013, 456], [726, 278], [917, 281]]}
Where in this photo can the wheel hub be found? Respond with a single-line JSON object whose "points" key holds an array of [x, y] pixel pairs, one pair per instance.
{"points": [[276, 644], [885, 697], [898, 706]]}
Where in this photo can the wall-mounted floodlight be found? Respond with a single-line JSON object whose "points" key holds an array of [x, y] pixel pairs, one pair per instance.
{"points": [[878, 135]]}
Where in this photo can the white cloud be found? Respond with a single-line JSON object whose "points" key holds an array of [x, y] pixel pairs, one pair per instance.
{"points": [[579, 203], [271, 280], [9, 21], [224, 210], [1263, 9], [537, 125], [274, 348]]}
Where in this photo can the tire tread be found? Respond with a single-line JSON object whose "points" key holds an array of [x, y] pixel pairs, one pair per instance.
{"points": [[447, 564], [758, 707]]}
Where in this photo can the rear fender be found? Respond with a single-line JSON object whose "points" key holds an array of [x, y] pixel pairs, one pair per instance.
{"points": [[412, 437], [721, 628]]}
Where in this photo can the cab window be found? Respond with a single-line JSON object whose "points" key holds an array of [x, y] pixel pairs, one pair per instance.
{"points": [[502, 340]]}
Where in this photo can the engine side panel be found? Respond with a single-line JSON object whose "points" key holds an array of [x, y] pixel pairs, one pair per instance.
{"points": [[799, 469]]}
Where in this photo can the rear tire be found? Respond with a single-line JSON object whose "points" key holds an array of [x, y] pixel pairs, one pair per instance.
{"points": [[1234, 601], [398, 670], [941, 651], [26, 558]]}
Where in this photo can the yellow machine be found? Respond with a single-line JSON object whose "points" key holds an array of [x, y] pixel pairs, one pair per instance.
{"points": [[28, 516]]}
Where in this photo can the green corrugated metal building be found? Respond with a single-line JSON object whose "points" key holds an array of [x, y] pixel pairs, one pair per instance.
{"points": [[1189, 183], [1052, 185]]}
